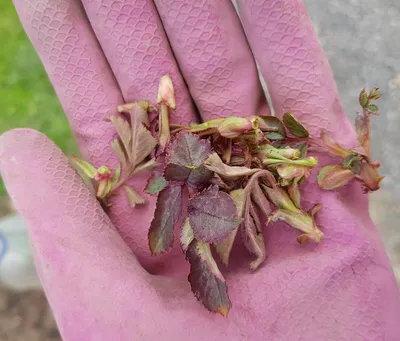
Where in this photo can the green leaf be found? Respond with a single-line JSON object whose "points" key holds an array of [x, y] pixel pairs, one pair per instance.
{"points": [[213, 215], [82, 166], [373, 109], [274, 136], [272, 126], [363, 98], [206, 280], [156, 184], [168, 209], [133, 197], [294, 126], [334, 176]]}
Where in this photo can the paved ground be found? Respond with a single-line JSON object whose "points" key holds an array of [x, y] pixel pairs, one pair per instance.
{"points": [[360, 38]]}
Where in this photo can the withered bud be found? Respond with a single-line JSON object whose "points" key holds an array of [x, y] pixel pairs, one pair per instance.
{"points": [[103, 173], [166, 92], [369, 175], [233, 126], [288, 171], [103, 188]]}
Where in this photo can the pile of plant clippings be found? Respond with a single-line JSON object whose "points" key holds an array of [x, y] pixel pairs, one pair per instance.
{"points": [[235, 171]]}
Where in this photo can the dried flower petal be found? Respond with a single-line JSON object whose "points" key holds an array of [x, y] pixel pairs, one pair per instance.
{"points": [[133, 197], [301, 221], [215, 164], [143, 142], [333, 147]]}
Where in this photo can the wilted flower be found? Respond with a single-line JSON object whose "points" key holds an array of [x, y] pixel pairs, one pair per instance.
{"points": [[232, 127]]}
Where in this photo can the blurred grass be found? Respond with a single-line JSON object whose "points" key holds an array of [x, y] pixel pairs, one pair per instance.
{"points": [[27, 98]]}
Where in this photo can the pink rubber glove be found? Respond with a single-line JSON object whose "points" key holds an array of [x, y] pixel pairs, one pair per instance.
{"points": [[101, 53]]}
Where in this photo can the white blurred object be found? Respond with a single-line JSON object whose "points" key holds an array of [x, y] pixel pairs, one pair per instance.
{"points": [[17, 269]]}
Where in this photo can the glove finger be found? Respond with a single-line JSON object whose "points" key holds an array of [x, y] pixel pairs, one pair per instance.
{"points": [[77, 68], [134, 42], [294, 65], [214, 56], [88, 90], [78, 252]]}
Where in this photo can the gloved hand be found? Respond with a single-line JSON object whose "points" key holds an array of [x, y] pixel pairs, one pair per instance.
{"points": [[99, 277]]}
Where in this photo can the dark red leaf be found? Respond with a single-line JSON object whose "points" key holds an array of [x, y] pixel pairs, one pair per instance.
{"points": [[206, 281], [161, 233], [213, 215], [193, 176], [185, 158], [225, 247]]}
